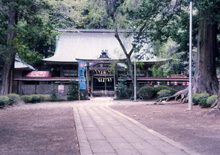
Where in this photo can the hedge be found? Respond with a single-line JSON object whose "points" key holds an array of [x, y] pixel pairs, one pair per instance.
{"points": [[4, 100], [164, 93], [146, 92], [211, 99], [197, 97], [13, 98]]}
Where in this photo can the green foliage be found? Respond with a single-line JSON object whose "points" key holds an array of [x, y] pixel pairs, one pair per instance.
{"points": [[86, 14], [4, 100], [167, 68], [33, 42], [157, 71], [202, 103], [146, 92], [13, 98], [161, 87], [72, 93], [53, 95], [121, 89], [211, 100], [194, 99], [164, 93], [130, 93], [34, 35], [43, 97], [26, 98], [35, 98], [198, 98]]}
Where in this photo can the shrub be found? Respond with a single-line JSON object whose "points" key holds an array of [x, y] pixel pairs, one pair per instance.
{"points": [[203, 104], [159, 88], [121, 89], [13, 98], [198, 97], [211, 99], [195, 99], [53, 95], [72, 93], [164, 93], [130, 92], [42, 97], [4, 100], [35, 98], [146, 92], [26, 98]]}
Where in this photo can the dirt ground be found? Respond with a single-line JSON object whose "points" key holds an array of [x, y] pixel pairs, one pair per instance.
{"points": [[38, 131], [198, 129]]}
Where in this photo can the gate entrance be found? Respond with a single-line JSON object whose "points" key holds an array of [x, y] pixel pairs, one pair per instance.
{"points": [[100, 72], [103, 86]]}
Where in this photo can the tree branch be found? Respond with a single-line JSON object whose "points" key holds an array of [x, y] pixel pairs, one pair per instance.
{"points": [[120, 42], [138, 37]]}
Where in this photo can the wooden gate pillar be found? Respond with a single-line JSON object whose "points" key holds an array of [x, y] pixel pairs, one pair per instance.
{"points": [[87, 78], [115, 78]]}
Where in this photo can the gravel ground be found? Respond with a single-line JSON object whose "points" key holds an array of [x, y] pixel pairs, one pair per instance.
{"points": [[198, 129], [38, 130]]}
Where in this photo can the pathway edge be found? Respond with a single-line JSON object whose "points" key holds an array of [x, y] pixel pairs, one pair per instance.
{"points": [[164, 138]]}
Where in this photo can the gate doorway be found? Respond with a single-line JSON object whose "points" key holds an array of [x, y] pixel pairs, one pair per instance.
{"points": [[103, 86]]}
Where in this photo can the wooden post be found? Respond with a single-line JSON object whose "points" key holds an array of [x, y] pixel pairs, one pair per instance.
{"points": [[91, 95], [115, 79], [61, 71], [87, 78], [78, 91]]}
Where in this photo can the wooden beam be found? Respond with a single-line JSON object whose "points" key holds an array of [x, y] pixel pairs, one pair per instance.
{"points": [[87, 77]]}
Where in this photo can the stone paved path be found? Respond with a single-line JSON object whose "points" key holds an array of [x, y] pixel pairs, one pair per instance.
{"points": [[104, 131]]}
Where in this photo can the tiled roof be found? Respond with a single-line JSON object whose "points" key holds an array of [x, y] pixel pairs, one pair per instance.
{"points": [[19, 64], [88, 44]]}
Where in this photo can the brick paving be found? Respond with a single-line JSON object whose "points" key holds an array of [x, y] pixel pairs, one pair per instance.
{"points": [[104, 131]]}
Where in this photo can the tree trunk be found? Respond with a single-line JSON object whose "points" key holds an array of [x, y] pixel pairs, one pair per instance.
{"points": [[7, 78], [128, 55], [131, 69], [205, 79]]}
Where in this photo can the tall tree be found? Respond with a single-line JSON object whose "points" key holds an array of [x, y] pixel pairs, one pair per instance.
{"points": [[8, 67], [155, 20], [141, 18], [205, 79], [16, 15]]}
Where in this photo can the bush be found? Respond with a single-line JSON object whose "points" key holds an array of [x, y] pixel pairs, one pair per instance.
{"points": [[164, 93], [159, 88], [35, 98], [203, 104], [53, 95], [121, 89], [198, 97], [4, 100], [26, 98], [211, 99], [146, 92], [13, 98], [130, 93], [42, 97], [72, 93], [195, 99]]}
